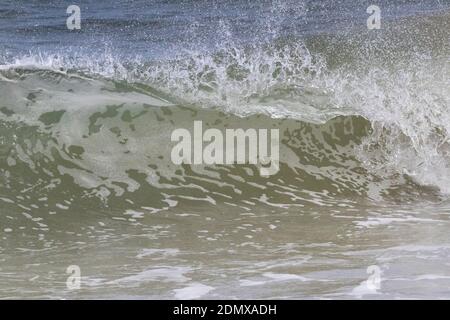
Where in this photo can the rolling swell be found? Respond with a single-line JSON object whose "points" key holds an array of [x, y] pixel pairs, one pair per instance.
{"points": [[77, 130], [86, 177], [72, 140]]}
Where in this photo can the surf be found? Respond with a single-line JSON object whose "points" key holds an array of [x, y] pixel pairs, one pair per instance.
{"points": [[102, 126]]}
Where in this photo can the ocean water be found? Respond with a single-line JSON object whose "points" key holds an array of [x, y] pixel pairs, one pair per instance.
{"points": [[360, 207]]}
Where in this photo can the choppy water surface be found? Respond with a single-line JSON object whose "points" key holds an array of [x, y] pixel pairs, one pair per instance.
{"points": [[86, 176]]}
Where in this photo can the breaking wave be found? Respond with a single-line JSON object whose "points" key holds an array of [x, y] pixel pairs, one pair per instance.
{"points": [[352, 129]]}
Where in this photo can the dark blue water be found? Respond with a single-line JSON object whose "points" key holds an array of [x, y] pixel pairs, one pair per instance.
{"points": [[164, 28]]}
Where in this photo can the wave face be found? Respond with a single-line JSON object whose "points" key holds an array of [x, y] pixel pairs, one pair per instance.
{"points": [[347, 126], [363, 115]]}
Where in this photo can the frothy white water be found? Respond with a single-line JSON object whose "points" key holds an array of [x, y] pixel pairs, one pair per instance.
{"points": [[408, 108], [406, 102]]}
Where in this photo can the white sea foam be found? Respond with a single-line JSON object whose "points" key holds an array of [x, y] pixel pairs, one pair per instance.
{"points": [[193, 291]]}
